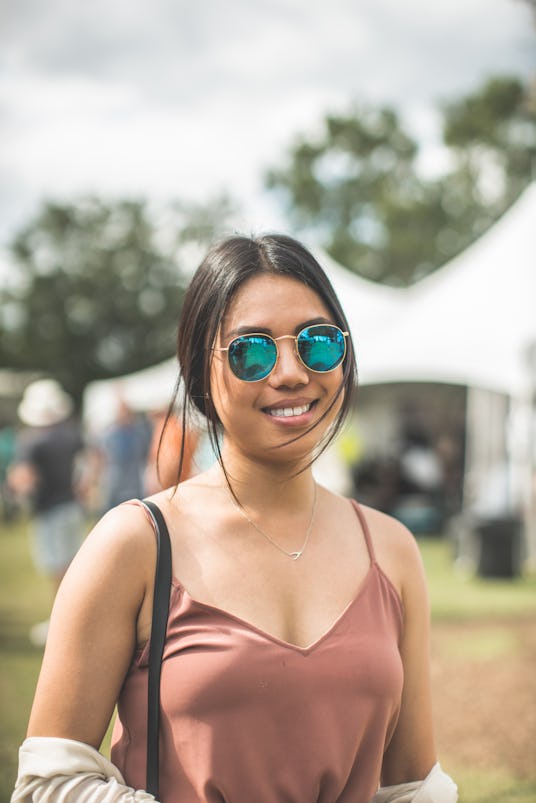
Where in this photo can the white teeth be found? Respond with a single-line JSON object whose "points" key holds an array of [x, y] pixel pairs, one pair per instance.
{"points": [[286, 412]]}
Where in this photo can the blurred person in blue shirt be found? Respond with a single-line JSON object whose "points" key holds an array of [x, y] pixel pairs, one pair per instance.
{"points": [[124, 448]]}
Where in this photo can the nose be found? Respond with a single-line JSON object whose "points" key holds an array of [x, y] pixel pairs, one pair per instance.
{"points": [[289, 370]]}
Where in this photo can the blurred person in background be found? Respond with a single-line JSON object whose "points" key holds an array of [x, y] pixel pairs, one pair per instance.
{"points": [[166, 443], [43, 473], [123, 448], [420, 499], [420, 467], [8, 505]]}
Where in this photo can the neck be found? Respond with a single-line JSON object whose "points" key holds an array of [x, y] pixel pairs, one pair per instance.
{"points": [[268, 486]]}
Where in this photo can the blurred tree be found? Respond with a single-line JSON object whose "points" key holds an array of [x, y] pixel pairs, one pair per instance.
{"points": [[96, 288], [493, 136], [352, 190], [357, 191]]}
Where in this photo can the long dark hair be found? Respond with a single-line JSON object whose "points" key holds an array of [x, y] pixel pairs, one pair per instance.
{"points": [[225, 268]]}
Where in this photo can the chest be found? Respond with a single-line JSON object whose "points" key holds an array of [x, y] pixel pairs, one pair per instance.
{"points": [[357, 651], [295, 600], [297, 721], [245, 575]]}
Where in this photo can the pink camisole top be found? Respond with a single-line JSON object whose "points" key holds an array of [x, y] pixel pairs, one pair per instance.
{"points": [[249, 718]]}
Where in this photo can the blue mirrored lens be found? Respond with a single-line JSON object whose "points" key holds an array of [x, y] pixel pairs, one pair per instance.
{"points": [[252, 357], [321, 347]]}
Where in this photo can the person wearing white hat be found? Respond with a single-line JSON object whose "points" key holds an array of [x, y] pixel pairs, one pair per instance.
{"points": [[43, 472]]}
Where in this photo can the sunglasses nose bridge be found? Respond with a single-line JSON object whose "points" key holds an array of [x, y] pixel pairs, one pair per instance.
{"points": [[294, 344], [288, 358]]}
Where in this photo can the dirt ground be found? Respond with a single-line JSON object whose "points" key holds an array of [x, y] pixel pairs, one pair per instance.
{"points": [[484, 685]]}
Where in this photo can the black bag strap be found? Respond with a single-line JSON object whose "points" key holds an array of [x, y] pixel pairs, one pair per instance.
{"points": [[162, 587]]}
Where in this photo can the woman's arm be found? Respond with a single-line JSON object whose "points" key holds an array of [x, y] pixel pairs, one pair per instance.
{"points": [[101, 613], [411, 753], [94, 629]]}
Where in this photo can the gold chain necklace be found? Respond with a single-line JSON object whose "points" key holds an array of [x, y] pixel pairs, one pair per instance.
{"points": [[292, 555]]}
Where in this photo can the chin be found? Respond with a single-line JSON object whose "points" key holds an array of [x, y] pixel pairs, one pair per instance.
{"points": [[297, 453]]}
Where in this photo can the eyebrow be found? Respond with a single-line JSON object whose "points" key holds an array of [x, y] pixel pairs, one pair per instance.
{"points": [[265, 330]]}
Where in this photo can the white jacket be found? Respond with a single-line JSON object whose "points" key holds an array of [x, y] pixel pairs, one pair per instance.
{"points": [[53, 770]]}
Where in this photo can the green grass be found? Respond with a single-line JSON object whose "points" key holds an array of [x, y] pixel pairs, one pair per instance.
{"points": [[455, 594], [25, 599], [488, 643], [492, 787]]}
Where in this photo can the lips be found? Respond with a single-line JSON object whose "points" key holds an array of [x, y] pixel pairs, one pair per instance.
{"points": [[288, 410]]}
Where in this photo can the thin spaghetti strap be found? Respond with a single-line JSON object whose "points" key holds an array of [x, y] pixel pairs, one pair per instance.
{"points": [[366, 532]]}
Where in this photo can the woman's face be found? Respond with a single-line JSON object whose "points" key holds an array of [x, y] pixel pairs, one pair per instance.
{"points": [[252, 413]]}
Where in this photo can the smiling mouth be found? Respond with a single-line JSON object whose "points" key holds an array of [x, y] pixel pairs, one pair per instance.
{"points": [[289, 412]]}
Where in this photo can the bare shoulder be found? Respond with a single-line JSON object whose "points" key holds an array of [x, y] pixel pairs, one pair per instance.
{"points": [[199, 497], [121, 549], [123, 530], [392, 541], [396, 549], [390, 534]]}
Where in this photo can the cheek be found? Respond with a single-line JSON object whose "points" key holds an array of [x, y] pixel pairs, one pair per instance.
{"points": [[335, 393], [228, 395], [218, 391]]}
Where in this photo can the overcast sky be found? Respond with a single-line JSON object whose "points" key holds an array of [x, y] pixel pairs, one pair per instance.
{"points": [[185, 98]]}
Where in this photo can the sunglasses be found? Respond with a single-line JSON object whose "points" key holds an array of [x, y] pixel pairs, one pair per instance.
{"points": [[320, 348]]}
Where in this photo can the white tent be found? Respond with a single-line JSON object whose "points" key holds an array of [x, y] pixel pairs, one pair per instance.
{"points": [[471, 322], [147, 390], [369, 306]]}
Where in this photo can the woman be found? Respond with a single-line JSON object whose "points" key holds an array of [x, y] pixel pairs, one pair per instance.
{"points": [[296, 661]]}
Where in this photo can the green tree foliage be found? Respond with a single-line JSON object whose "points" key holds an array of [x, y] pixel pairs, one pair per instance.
{"points": [[96, 288], [357, 191], [493, 133]]}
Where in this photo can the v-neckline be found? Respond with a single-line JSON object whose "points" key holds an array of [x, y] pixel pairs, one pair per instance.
{"points": [[276, 639], [373, 569]]}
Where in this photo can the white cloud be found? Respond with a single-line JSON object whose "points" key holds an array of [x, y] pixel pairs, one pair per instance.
{"points": [[171, 98]]}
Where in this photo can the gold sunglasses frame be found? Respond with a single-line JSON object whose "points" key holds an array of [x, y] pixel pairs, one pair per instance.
{"points": [[284, 337]]}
